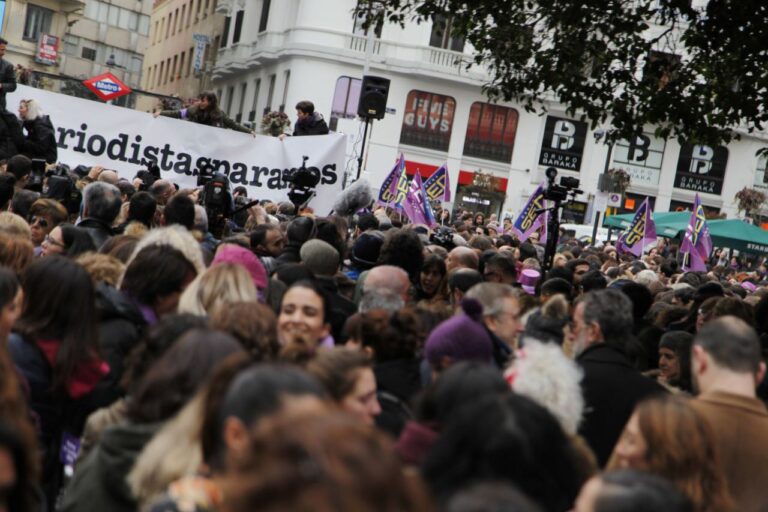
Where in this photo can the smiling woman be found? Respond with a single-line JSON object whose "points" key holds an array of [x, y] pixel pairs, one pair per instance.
{"points": [[304, 315]]}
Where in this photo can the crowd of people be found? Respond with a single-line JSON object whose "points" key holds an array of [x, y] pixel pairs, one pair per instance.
{"points": [[301, 362], [330, 363]]}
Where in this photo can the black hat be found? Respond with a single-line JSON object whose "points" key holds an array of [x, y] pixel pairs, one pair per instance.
{"points": [[366, 250]]}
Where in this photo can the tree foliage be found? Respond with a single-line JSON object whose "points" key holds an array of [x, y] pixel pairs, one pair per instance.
{"points": [[692, 73]]}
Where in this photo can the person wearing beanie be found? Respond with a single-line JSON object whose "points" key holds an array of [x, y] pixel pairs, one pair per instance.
{"points": [[460, 338], [231, 253], [365, 253], [322, 260], [299, 231], [320, 257]]}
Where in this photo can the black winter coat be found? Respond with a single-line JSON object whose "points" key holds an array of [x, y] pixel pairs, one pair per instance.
{"points": [[99, 230], [612, 388], [313, 125], [7, 81], [40, 141], [121, 325]]}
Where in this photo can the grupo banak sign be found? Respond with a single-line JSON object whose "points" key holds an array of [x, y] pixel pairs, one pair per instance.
{"points": [[107, 86]]}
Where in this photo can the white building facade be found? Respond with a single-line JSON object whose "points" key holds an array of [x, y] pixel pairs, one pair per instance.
{"points": [[276, 53]]}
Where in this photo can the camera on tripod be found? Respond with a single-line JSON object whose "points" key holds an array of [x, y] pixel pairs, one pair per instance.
{"points": [[303, 182], [559, 192]]}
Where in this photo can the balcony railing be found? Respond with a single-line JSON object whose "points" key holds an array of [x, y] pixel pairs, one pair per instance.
{"points": [[360, 44]]}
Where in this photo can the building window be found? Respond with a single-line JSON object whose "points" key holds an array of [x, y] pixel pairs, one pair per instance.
{"points": [[230, 97], [360, 15], [38, 22], [286, 83], [225, 32], [491, 132], [168, 26], [243, 90], [160, 74], [428, 120], [183, 17], [238, 26], [174, 68], [443, 34], [207, 5], [181, 65], [191, 60], [264, 16], [346, 97], [88, 53], [270, 93], [661, 68], [143, 25], [256, 90]]}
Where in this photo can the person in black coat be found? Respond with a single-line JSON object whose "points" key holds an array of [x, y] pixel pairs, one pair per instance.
{"points": [[309, 122], [611, 385], [40, 141], [7, 75]]}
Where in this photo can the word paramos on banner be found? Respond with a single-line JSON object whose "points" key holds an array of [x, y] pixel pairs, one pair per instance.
{"points": [[92, 133]]}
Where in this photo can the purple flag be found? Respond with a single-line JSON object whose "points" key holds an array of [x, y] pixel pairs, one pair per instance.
{"points": [[697, 242], [387, 196], [413, 205], [438, 186], [640, 233], [529, 219]]}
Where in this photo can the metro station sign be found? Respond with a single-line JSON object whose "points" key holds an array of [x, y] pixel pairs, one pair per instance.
{"points": [[107, 86]]}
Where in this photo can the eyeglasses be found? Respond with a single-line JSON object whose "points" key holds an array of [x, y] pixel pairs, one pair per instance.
{"points": [[40, 220], [53, 241]]}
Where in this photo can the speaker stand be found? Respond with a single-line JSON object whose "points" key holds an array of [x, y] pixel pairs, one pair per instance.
{"points": [[362, 148]]}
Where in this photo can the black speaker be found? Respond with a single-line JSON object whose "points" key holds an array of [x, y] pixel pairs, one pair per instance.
{"points": [[373, 97]]}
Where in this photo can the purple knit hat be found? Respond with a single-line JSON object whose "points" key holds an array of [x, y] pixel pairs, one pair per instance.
{"points": [[461, 338], [230, 253]]}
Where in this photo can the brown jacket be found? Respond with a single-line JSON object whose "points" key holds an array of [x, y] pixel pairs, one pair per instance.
{"points": [[740, 424]]}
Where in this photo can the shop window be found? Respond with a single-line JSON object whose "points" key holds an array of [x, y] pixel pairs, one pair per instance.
{"points": [[491, 132], [428, 120]]}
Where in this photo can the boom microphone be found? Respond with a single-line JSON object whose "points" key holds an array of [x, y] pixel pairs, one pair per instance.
{"points": [[355, 197]]}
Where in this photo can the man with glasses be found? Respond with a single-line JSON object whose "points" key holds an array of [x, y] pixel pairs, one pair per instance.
{"points": [[501, 316], [602, 322]]}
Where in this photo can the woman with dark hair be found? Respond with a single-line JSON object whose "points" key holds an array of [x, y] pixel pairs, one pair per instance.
{"points": [[10, 303], [205, 111], [459, 385], [395, 341], [304, 316], [432, 284], [100, 480], [675, 360], [55, 348], [239, 396], [347, 376], [403, 248], [67, 240], [510, 439], [313, 460], [155, 280], [668, 437], [44, 215], [17, 477], [156, 342]]}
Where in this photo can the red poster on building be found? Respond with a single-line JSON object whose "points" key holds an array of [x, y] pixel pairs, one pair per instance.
{"points": [[47, 50], [428, 120]]}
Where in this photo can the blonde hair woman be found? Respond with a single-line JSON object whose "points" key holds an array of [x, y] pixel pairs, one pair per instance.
{"points": [[40, 139], [223, 284]]}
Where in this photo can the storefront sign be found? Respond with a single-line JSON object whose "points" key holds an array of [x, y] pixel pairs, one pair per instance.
{"points": [[47, 50], [641, 157], [563, 144], [428, 120], [701, 168]]}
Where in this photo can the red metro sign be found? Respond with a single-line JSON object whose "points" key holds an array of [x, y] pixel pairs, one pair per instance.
{"points": [[107, 86]]}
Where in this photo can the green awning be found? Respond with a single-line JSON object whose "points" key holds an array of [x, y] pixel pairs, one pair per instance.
{"points": [[737, 234], [668, 224]]}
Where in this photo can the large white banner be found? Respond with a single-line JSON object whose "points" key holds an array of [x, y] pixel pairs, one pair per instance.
{"points": [[92, 133]]}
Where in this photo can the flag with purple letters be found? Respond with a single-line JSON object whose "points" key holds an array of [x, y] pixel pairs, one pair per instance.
{"points": [[438, 186], [641, 232], [530, 217], [415, 205], [697, 242], [388, 190]]}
